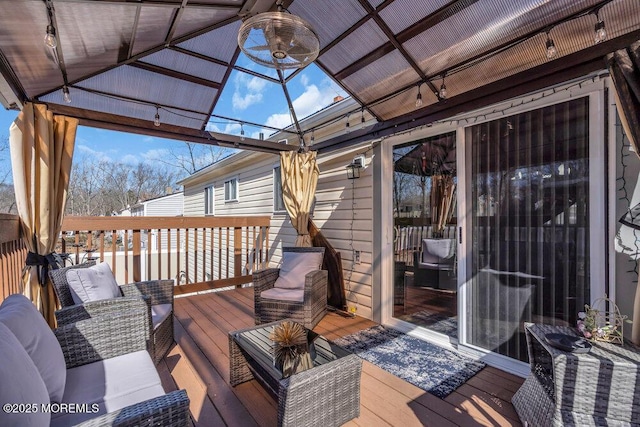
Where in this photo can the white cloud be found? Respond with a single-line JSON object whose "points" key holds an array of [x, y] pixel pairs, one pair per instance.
{"points": [[130, 159], [248, 91], [240, 102], [155, 154], [311, 100], [90, 152], [304, 79]]}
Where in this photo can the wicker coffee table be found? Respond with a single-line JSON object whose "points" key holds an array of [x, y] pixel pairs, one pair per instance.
{"points": [[326, 395], [601, 387]]}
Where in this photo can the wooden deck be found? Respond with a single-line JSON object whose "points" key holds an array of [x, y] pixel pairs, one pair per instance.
{"points": [[199, 363]]}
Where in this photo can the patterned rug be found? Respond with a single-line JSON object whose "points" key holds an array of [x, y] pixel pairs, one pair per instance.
{"points": [[428, 366], [434, 321]]}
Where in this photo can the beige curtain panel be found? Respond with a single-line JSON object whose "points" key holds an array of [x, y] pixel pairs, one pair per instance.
{"points": [[624, 66], [299, 175], [41, 151]]}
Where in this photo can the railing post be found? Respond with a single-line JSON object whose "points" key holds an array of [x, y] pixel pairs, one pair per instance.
{"points": [[136, 256], [237, 251]]}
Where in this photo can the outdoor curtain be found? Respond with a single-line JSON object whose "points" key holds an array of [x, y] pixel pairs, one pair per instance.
{"points": [[624, 66], [41, 151], [299, 175]]}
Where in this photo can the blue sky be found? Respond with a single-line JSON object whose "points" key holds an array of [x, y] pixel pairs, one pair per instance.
{"points": [[245, 97]]}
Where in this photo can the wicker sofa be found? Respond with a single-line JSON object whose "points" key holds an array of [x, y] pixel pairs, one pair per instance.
{"points": [[272, 303], [93, 372], [158, 295]]}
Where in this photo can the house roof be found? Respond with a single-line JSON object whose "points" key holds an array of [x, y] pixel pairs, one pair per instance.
{"points": [[124, 59]]}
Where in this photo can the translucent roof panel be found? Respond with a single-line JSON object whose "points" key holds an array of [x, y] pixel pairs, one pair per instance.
{"points": [[343, 14], [381, 77], [196, 18], [220, 43], [479, 28], [136, 110], [403, 103], [402, 13], [360, 42], [153, 26], [88, 40], [186, 64], [132, 82]]}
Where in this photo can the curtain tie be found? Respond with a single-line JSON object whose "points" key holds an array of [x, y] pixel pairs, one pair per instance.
{"points": [[44, 263]]}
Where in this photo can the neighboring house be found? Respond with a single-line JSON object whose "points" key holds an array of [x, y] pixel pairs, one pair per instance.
{"points": [[167, 205], [538, 198]]}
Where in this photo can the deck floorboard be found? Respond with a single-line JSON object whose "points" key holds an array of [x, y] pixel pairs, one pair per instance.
{"points": [[199, 363]]}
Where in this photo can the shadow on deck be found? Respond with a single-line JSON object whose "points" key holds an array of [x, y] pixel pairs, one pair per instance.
{"points": [[199, 363]]}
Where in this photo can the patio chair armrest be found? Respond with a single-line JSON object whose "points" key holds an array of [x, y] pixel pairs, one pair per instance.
{"points": [[330, 392], [171, 410], [98, 338], [315, 285], [160, 291], [107, 307], [264, 279]]}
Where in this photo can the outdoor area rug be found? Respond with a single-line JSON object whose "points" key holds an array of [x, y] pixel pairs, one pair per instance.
{"points": [[428, 366], [434, 321]]}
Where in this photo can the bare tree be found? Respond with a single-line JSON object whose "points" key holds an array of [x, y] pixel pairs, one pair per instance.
{"points": [[7, 194], [192, 157]]}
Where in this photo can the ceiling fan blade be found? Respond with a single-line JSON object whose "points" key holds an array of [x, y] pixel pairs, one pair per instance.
{"points": [[258, 48]]}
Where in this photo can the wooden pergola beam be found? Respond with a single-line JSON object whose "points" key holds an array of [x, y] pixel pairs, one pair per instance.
{"points": [[115, 122]]}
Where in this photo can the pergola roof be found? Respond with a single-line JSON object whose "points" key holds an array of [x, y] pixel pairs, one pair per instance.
{"points": [[121, 59]]}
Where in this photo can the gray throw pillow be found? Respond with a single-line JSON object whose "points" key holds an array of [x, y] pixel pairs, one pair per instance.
{"points": [[294, 268], [26, 323], [92, 284]]}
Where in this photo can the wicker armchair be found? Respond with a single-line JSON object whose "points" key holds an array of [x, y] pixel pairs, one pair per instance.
{"points": [[158, 295], [107, 369], [307, 312]]}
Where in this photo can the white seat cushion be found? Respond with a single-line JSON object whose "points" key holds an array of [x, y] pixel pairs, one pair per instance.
{"points": [[92, 283], [284, 294], [295, 266], [26, 323], [112, 384], [20, 382], [159, 312]]}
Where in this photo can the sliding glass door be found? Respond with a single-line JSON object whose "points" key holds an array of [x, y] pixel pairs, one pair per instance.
{"points": [[425, 246], [529, 249]]}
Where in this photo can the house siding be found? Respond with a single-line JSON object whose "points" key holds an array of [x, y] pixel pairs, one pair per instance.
{"points": [[343, 213]]}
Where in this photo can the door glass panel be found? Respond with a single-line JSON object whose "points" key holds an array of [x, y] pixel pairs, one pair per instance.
{"points": [[424, 198], [529, 199]]}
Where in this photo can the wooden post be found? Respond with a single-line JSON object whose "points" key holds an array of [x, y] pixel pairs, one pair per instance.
{"points": [[137, 276], [237, 251]]}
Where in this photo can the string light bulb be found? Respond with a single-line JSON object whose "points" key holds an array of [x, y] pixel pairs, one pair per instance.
{"points": [[156, 121], [419, 97], [600, 32], [66, 96], [551, 47], [50, 39], [362, 117], [347, 126], [442, 94], [241, 131], [313, 137]]}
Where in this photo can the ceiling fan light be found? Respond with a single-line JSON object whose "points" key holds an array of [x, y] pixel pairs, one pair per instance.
{"points": [[279, 40]]}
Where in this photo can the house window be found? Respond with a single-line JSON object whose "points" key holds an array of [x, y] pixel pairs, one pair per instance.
{"points": [[208, 200], [231, 190], [278, 202]]}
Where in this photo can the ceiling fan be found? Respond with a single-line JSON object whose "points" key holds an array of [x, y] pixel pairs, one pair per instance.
{"points": [[279, 39]]}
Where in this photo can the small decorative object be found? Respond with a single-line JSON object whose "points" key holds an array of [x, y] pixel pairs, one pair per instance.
{"points": [[601, 321], [568, 343], [291, 350]]}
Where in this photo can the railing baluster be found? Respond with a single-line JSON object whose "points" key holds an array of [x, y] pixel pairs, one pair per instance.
{"points": [[137, 274]]}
